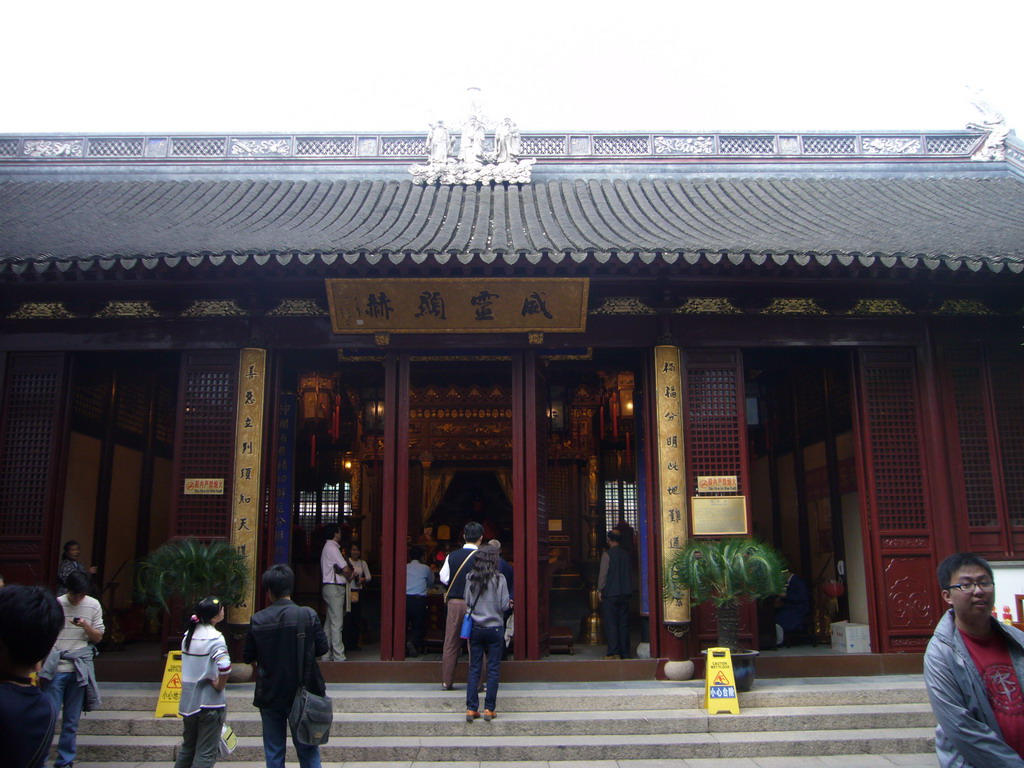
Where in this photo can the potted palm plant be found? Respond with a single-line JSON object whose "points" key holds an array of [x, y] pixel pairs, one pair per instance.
{"points": [[188, 570], [726, 572]]}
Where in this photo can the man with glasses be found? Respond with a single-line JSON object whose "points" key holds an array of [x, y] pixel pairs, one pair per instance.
{"points": [[972, 670]]}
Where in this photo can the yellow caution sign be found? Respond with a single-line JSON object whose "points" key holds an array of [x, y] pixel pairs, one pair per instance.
{"points": [[170, 688], [720, 683]]}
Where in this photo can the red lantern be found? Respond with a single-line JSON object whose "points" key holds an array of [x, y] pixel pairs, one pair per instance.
{"points": [[833, 588]]}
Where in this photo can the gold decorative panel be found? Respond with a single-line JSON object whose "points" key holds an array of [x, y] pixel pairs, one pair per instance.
{"points": [[466, 305]]}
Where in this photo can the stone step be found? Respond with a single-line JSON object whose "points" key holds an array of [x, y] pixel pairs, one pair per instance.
{"points": [[558, 697], [861, 760], [509, 749], [646, 721]]}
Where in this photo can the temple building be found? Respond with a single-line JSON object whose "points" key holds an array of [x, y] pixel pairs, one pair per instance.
{"points": [[812, 338]]}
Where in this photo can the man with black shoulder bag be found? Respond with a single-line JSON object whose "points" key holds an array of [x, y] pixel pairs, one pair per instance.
{"points": [[284, 640]]}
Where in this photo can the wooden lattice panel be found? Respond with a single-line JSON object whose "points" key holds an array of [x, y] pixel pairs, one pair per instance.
{"points": [[206, 449], [714, 422], [29, 406], [968, 389], [894, 436], [132, 404], [1008, 383]]}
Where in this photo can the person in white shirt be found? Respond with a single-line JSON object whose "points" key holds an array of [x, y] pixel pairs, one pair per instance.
{"points": [[69, 669], [205, 666], [335, 573], [360, 576]]}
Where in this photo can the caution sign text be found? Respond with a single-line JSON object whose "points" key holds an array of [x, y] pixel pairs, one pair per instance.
{"points": [[170, 688], [720, 683]]}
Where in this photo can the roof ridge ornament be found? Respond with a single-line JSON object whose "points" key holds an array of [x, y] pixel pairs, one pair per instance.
{"points": [[473, 164], [994, 124]]}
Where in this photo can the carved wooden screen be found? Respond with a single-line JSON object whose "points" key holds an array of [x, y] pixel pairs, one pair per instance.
{"points": [[716, 443], [205, 443], [897, 515], [984, 392], [31, 439]]}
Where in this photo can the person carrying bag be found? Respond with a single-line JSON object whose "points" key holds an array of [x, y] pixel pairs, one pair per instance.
{"points": [[311, 715]]}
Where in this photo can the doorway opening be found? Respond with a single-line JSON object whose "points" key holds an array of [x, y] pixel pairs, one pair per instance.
{"points": [[804, 493]]}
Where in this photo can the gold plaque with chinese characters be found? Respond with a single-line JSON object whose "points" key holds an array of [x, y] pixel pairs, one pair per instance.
{"points": [[671, 468], [248, 443], [460, 305], [720, 516]]}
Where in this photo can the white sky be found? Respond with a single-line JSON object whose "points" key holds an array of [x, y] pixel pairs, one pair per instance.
{"points": [[653, 65]]}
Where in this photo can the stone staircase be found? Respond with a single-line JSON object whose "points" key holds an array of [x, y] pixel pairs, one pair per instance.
{"points": [[406, 723]]}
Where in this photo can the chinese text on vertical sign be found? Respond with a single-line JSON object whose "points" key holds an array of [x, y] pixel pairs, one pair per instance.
{"points": [[248, 450], [671, 467]]}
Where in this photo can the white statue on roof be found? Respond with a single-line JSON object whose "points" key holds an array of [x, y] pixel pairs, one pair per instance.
{"points": [[438, 143], [992, 122], [473, 165]]}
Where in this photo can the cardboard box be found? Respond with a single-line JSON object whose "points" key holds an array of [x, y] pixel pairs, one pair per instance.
{"points": [[851, 638]]}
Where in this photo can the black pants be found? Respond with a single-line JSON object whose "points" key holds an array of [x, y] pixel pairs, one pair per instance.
{"points": [[415, 620], [615, 612]]}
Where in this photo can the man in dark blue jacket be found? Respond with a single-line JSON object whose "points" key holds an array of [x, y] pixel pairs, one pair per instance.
{"points": [[616, 587], [271, 644]]}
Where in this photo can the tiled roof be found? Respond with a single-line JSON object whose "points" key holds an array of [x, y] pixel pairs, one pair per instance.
{"points": [[974, 220]]}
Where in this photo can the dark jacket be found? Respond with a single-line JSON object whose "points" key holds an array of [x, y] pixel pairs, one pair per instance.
{"points": [[615, 580], [271, 644], [457, 585]]}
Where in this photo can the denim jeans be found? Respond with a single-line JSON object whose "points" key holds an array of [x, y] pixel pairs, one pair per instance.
{"points": [[67, 695], [489, 640], [275, 721]]}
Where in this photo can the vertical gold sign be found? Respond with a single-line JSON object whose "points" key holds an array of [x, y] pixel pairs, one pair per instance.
{"points": [[671, 467], [248, 442]]}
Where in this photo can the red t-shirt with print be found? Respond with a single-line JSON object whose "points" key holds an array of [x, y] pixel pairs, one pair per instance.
{"points": [[992, 658]]}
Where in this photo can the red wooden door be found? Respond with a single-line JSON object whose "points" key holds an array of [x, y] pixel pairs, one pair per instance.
{"points": [[896, 516], [32, 440]]}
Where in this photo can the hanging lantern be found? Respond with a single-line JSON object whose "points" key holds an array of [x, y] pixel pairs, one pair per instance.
{"points": [[316, 397]]}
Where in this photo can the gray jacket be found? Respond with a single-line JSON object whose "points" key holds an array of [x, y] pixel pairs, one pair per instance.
{"points": [[85, 672], [967, 735]]}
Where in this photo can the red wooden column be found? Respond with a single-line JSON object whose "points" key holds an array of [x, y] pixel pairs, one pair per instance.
{"points": [[530, 519], [33, 430], [897, 517], [395, 499]]}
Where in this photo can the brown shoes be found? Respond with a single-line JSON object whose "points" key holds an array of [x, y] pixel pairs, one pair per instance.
{"points": [[472, 714], [489, 714]]}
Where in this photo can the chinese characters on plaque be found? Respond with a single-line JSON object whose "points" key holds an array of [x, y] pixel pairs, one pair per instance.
{"points": [[248, 441], [466, 305], [671, 467]]}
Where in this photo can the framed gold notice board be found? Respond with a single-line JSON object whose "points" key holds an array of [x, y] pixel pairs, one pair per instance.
{"points": [[719, 515]]}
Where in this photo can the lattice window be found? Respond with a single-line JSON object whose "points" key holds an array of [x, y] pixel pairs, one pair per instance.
{"points": [[620, 503], [559, 504], [89, 397], [402, 147], [890, 397], [829, 145], [621, 145], [207, 450], [115, 148], [1008, 382], [8, 147], [325, 146], [331, 504], [746, 145], [950, 145], [972, 430], [24, 474], [132, 405], [164, 412], [542, 145], [181, 147], [714, 426]]}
